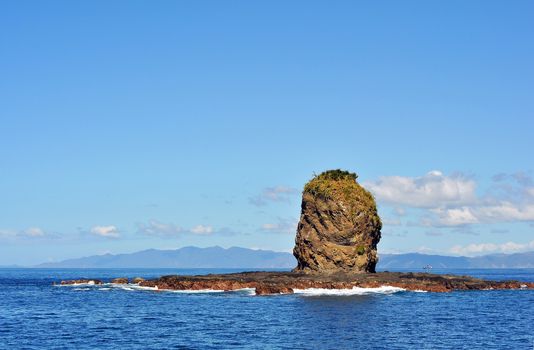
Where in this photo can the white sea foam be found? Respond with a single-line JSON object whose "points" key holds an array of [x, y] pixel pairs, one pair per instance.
{"points": [[353, 291], [88, 284], [247, 291], [138, 287], [126, 288], [191, 291], [132, 287]]}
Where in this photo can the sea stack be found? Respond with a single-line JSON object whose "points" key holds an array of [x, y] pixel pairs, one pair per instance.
{"points": [[339, 226]]}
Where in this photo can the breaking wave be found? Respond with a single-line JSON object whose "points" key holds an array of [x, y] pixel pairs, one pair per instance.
{"points": [[246, 291], [88, 284], [135, 287], [352, 291]]}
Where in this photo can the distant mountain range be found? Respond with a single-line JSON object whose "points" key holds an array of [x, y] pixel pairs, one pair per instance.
{"points": [[416, 260], [217, 257], [187, 257]]}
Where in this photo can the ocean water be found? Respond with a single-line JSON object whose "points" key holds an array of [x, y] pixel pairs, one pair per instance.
{"points": [[34, 314]]}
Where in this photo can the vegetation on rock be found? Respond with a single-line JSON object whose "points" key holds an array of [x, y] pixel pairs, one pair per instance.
{"points": [[339, 226], [340, 185]]}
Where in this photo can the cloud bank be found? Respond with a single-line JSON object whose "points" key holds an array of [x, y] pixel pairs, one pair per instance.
{"points": [[30, 232], [448, 201], [110, 231], [428, 191], [157, 228], [486, 248], [273, 194], [281, 225]]}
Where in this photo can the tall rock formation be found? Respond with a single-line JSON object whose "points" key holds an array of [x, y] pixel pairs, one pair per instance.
{"points": [[339, 226]]}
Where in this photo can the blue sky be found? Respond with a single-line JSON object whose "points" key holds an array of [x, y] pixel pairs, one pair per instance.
{"points": [[128, 125]]}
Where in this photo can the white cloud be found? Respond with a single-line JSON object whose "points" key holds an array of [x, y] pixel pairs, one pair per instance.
{"points": [[425, 250], [269, 227], [429, 191], [278, 193], [480, 213], [273, 194], [34, 232], [506, 211], [391, 222], [31, 232], [471, 249], [286, 226], [399, 211], [510, 247], [455, 216], [452, 200], [484, 248], [110, 231], [157, 228], [202, 230]]}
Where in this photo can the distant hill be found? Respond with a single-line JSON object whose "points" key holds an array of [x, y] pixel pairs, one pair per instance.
{"points": [[187, 257], [217, 257], [416, 260]]}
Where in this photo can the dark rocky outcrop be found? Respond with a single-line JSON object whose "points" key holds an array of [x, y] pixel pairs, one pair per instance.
{"points": [[120, 280], [267, 283], [81, 281], [339, 226]]}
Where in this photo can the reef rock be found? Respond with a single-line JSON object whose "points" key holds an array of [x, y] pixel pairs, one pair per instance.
{"points": [[137, 280], [120, 280], [277, 282], [81, 281], [339, 226]]}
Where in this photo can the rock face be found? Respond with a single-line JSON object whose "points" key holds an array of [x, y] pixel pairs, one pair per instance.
{"points": [[120, 280], [81, 281], [268, 283], [339, 226]]}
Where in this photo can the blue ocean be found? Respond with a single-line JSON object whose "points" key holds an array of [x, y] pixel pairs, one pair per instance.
{"points": [[34, 314]]}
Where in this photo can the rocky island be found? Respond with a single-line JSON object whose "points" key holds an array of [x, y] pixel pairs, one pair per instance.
{"points": [[335, 247], [339, 226]]}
